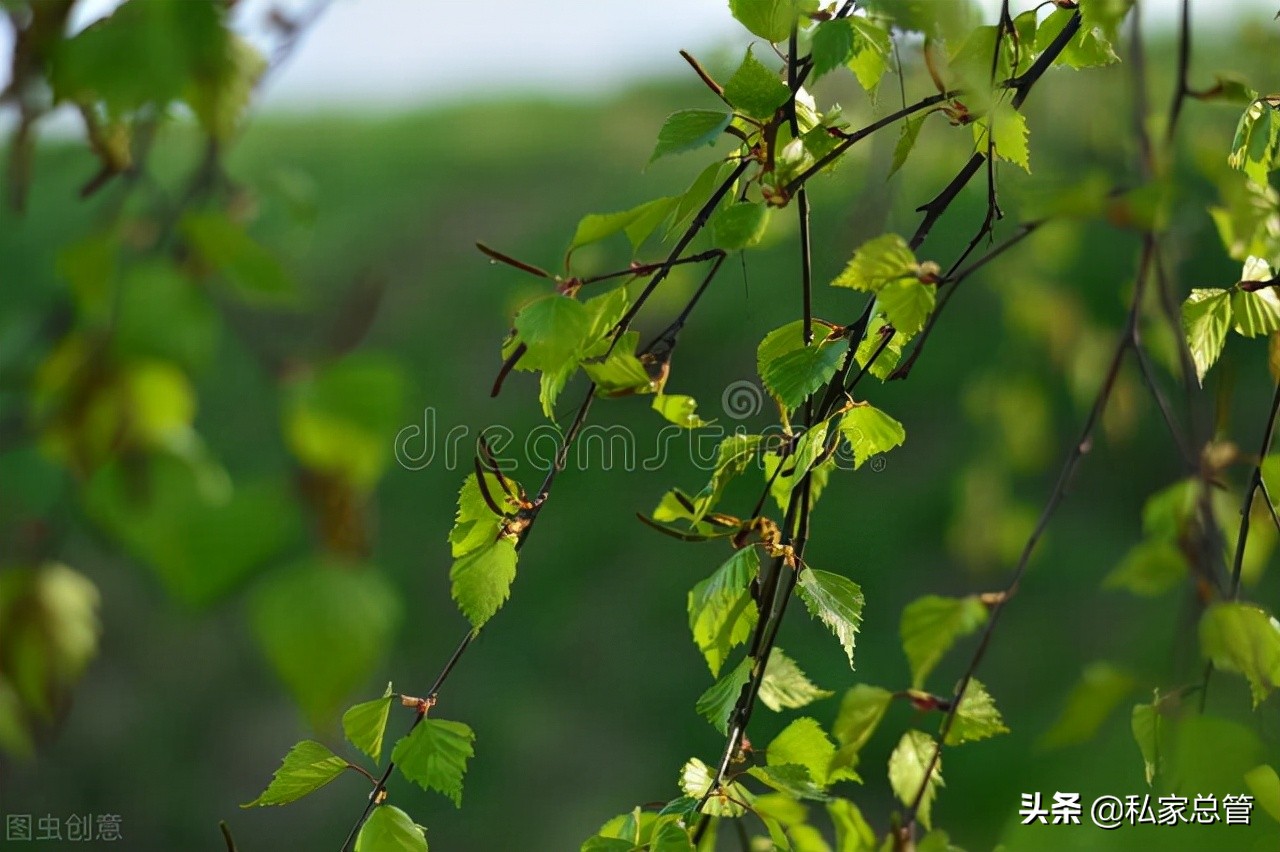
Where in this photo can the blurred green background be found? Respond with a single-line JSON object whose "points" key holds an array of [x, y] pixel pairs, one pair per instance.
{"points": [[581, 691]]}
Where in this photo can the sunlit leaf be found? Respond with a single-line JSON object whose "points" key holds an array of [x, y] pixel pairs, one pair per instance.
{"points": [[482, 579], [870, 432], [306, 768], [786, 686], [689, 129], [876, 263], [804, 743], [721, 611], [434, 756], [754, 89], [836, 601], [1244, 639], [1206, 316], [909, 769], [365, 724], [976, 716], [715, 704], [740, 225], [389, 829], [728, 801]]}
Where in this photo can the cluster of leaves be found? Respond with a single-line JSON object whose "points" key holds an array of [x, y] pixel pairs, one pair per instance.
{"points": [[433, 755], [109, 409], [783, 139], [1247, 223]]}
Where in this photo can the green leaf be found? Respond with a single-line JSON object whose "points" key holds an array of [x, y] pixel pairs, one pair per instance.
{"points": [[698, 193], [1206, 316], [785, 686], [670, 836], [909, 768], [907, 141], [482, 580], [475, 525], [887, 359], [1146, 724], [907, 304], [1166, 513], [804, 743], [771, 20], [637, 223], [870, 432], [171, 46], [1254, 149], [976, 716], [390, 829], [1263, 782], [1105, 15], [689, 129], [832, 45], [607, 844], [554, 329], [365, 724], [853, 833], [1100, 690], [871, 48], [1008, 129], [336, 419], [252, 270], [876, 263], [1087, 49], [695, 780], [861, 710], [931, 625], [306, 768], [1244, 639], [740, 225], [734, 455], [620, 373], [434, 756], [323, 627], [1151, 568], [754, 89], [836, 600], [679, 409], [221, 101], [790, 370], [1255, 312], [937, 841], [791, 779], [808, 449], [717, 702], [721, 611]]}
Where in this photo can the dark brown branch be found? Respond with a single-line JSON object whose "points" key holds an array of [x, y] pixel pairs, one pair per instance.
{"points": [[1021, 85], [954, 278], [1182, 87], [1255, 484], [1077, 452], [706, 78]]}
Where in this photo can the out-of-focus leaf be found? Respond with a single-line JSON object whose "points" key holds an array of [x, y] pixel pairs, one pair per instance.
{"points": [[1099, 691], [323, 627], [1244, 639], [306, 768]]}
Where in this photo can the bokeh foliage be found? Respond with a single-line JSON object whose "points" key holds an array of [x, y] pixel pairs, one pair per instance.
{"points": [[185, 423]]}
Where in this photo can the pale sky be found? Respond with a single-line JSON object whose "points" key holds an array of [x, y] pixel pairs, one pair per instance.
{"points": [[396, 53]]}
